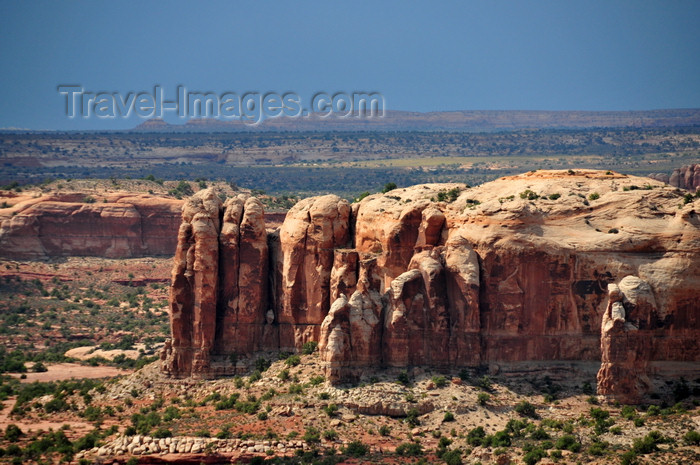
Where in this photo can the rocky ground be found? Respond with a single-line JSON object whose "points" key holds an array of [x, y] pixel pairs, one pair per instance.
{"points": [[289, 410]]}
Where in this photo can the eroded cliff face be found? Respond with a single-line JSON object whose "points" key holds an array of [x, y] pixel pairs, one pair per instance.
{"points": [[529, 268], [59, 225], [685, 177]]}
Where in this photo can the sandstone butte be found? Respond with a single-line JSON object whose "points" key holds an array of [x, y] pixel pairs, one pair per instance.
{"points": [[541, 271], [58, 225]]}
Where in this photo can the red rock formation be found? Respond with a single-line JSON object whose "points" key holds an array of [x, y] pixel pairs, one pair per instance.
{"points": [[194, 289], [686, 177], [513, 271], [243, 263], [351, 333], [313, 229], [626, 340], [64, 225]]}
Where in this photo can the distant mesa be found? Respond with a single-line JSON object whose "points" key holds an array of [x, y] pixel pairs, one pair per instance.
{"points": [[469, 120], [154, 124]]}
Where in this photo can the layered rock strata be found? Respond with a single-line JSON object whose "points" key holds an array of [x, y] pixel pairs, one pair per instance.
{"points": [[526, 269], [115, 226]]}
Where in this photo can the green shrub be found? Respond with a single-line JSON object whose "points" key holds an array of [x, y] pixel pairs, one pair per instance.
{"points": [[597, 448], [312, 435], [629, 458], [13, 432], [449, 416], [568, 442], [283, 375], [452, 457], [529, 195], [439, 381], [162, 433], [534, 456], [293, 360], [648, 443], [594, 196], [526, 409], [500, 439], [356, 449], [330, 435], [296, 389], [628, 412], [412, 417], [361, 196], [226, 404], [409, 449], [250, 407], [309, 347], [390, 186], [692, 438], [316, 380], [653, 411], [403, 378], [476, 436], [554, 196], [384, 430], [331, 410], [262, 364], [483, 398], [484, 383]]}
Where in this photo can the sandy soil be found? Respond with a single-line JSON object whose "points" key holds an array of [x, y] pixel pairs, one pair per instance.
{"points": [[61, 371]]}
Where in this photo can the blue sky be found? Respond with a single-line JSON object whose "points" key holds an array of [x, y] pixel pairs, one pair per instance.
{"points": [[422, 56]]}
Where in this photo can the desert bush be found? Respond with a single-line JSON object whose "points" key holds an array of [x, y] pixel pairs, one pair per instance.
{"points": [[309, 347], [526, 409], [529, 195], [13, 432], [409, 449], [534, 456], [692, 438], [331, 410], [162, 432], [356, 449], [312, 435], [412, 417], [316, 380], [568, 442], [390, 186], [475, 437], [483, 398]]}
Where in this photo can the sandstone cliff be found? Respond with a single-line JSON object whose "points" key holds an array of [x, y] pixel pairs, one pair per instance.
{"points": [[59, 225], [685, 177], [526, 269]]}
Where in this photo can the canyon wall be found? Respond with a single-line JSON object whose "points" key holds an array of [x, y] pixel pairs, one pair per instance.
{"points": [[685, 177], [115, 226], [541, 267]]}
